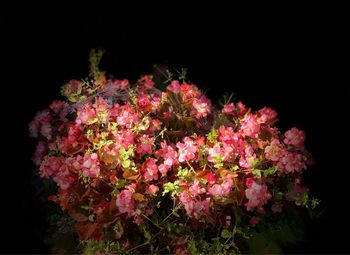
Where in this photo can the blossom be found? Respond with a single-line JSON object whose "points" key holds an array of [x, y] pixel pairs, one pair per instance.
{"points": [[144, 104], [40, 151], [291, 162], [266, 115], [145, 144], [196, 189], [64, 178], [42, 118], [254, 220], [215, 154], [294, 137], [151, 170], [202, 207], [257, 195], [186, 200], [201, 108], [174, 87], [275, 150], [125, 202], [187, 150], [152, 190], [250, 125], [90, 165], [147, 81], [126, 117], [50, 165], [229, 109], [223, 189], [86, 115]]}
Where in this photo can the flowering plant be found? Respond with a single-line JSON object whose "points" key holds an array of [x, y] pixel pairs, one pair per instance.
{"points": [[141, 170]]}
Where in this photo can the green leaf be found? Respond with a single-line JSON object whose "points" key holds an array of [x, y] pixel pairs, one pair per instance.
{"points": [[225, 233], [212, 135], [270, 171], [257, 173], [126, 163]]}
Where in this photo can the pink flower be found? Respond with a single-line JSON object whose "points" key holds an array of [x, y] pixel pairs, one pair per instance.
{"points": [[202, 207], [294, 137], [275, 150], [241, 108], [196, 189], [125, 202], [85, 115], [223, 189], [187, 150], [126, 116], [229, 109], [90, 165], [49, 166], [250, 126], [100, 105], [257, 195], [152, 190], [201, 108], [227, 135], [41, 124], [124, 138], [211, 178], [168, 154], [138, 220], [151, 170], [40, 151], [266, 115], [146, 80], [144, 104], [145, 144], [254, 220], [291, 162], [215, 154], [64, 178], [187, 202], [174, 87]]}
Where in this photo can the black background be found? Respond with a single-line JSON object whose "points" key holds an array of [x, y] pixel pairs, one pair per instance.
{"points": [[291, 62]]}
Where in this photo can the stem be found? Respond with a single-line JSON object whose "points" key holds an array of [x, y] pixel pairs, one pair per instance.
{"points": [[152, 221], [138, 246]]}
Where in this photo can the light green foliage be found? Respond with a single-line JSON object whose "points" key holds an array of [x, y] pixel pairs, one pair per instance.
{"points": [[182, 172], [270, 171], [125, 156], [212, 135], [172, 188], [257, 173], [92, 247], [118, 185]]}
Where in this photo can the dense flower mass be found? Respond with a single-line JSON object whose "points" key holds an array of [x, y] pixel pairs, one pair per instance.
{"points": [[131, 161]]}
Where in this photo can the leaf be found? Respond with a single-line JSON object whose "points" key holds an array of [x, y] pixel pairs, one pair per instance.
{"points": [[86, 229], [77, 216], [126, 163], [257, 173], [118, 230], [130, 174], [138, 197], [226, 233]]}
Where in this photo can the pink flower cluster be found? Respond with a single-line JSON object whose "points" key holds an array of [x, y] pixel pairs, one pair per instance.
{"points": [[121, 148]]}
